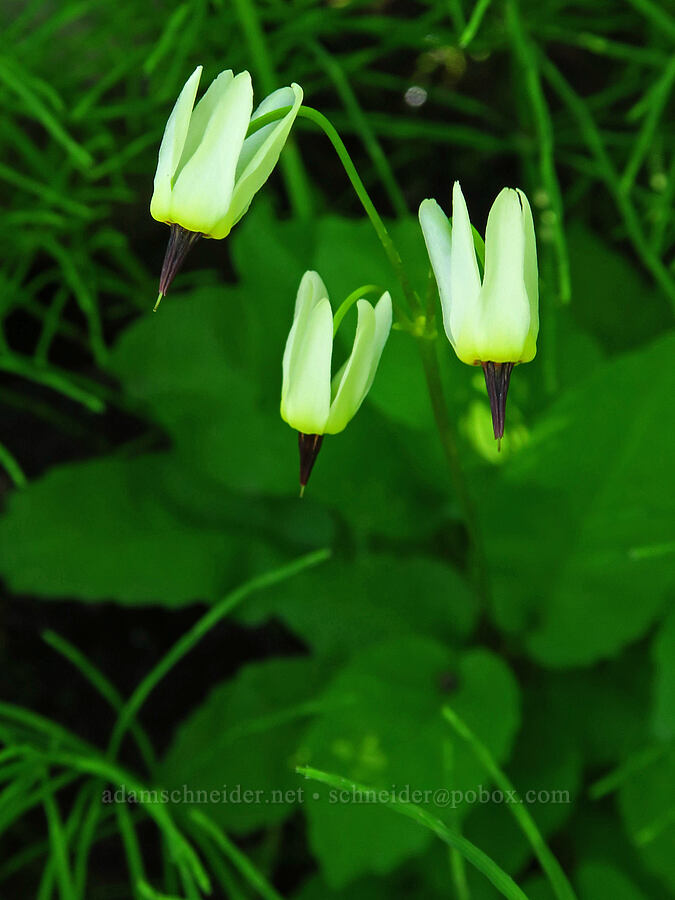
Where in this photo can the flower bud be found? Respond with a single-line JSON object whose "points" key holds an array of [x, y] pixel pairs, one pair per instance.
{"points": [[312, 401]]}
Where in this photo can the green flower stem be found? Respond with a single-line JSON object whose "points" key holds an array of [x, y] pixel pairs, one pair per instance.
{"points": [[291, 164], [394, 257], [370, 141], [448, 437], [423, 329], [550, 865], [428, 352], [307, 112], [347, 304]]}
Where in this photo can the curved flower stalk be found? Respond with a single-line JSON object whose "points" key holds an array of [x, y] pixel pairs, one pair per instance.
{"points": [[311, 401], [208, 170], [494, 323]]}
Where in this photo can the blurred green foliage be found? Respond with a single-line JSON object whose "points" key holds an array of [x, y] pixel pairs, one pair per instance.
{"points": [[150, 466]]}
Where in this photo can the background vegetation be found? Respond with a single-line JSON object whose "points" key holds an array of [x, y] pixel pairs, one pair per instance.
{"points": [[146, 472]]}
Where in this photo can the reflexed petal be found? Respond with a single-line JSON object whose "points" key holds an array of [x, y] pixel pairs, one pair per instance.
{"points": [[171, 147], [351, 384], [261, 150], [383, 316], [464, 280], [305, 398], [531, 280], [505, 307], [203, 190], [436, 231], [201, 116], [311, 291]]}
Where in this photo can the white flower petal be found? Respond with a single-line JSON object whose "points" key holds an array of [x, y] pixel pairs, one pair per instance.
{"points": [[261, 150], [505, 307], [201, 116], [305, 397], [383, 317], [171, 147], [436, 231], [465, 284], [531, 280], [311, 291], [203, 190], [352, 382]]}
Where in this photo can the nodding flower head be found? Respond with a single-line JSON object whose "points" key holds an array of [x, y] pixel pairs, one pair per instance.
{"points": [[491, 322], [208, 170], [313, 401]]}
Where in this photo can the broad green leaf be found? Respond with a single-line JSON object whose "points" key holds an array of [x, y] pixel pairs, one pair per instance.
{"points": [[142, 530], [647, 802], [581, 523], [105, 530], [391, 737], [353, 603], [242, 743], [598, 881], [610, 297], [222, 420]]}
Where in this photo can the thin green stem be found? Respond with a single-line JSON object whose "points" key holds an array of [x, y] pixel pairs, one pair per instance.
{"points": [[51, 378], [457, 862], [347, 304], [313, 115], [107, 690], [610, 176], [657, 15], [182, 646], [192, 637], [636, 763], [238, 859], [132, 848], [658, 99], [11, 466], [474, 24], [480, 860], [448, 437], [106, 771], [528, 61], [59, 844], [370, 141], [292, 168], [550, 865], [307, 112], [445, 428]]}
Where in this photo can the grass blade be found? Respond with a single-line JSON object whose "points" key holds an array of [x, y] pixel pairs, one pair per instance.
{"points": [[474, 855], [561, 886]]}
